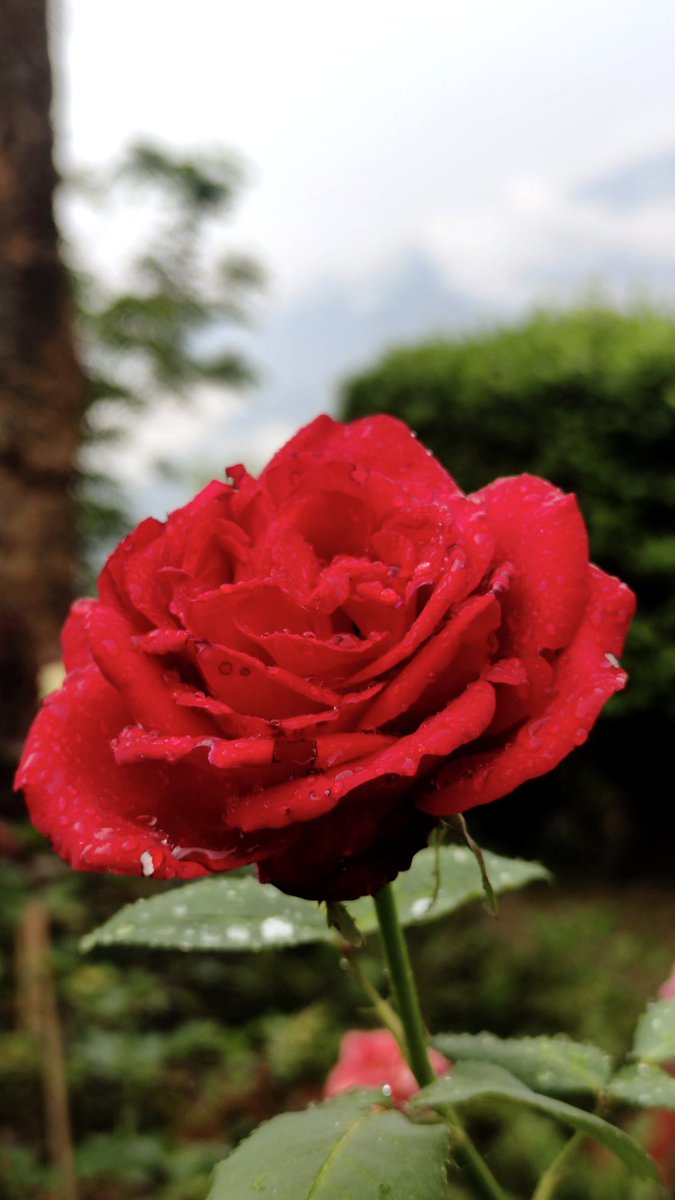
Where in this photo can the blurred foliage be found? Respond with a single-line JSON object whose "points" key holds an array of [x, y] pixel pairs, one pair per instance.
{"points": [[172, 1058], [586, 399], [164, 324]]}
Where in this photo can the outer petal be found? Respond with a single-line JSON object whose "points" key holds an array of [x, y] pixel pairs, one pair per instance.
{"points": [[379, 443], [355, 849], [586, 676], [75, 637], [99, 816], [75, 793], [540, 530]]}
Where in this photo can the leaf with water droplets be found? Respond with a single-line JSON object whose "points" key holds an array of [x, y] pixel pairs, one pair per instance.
{"points": [[347, 1147], [479, 1082], [642, 1086], [224, 913], [444, 878], [555, 1066], [655, 1033], [235, 912]]}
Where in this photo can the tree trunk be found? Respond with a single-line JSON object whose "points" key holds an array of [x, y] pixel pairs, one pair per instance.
{"points": [[41, 387]]}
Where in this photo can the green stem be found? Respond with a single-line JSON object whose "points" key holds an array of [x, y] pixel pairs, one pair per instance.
{"points": [[558, 1168], [407, 1002], [389, 1018], [403, 985]]}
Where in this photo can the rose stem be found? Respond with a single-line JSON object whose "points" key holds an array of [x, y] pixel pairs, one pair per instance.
{"points": [[558, 1168], [407, 1002]]}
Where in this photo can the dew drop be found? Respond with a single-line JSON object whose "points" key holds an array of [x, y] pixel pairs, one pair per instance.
{"points": [[147, 864], [342, 775], [238, 933], [245, 671], [535, 731], [274, 929], [225, 668]]}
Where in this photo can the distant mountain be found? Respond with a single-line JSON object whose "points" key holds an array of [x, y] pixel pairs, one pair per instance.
{"points": [[634, 185]]}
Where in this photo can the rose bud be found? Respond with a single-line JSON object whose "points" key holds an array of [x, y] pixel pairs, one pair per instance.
{"points": [[306, 671], [373, 1059]]}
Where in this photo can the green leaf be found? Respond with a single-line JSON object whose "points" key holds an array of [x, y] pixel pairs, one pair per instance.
{"points": [[477, 1081], [555, 1066], [460, 882], [655, 1033], [345, 1149], [643, 1086], [227, 912], [235, 912]]}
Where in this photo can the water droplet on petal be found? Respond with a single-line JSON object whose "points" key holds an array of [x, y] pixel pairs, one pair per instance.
{"points": [[147, 863], [535, 731]]}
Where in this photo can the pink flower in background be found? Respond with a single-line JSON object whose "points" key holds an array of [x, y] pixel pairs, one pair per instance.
{"points": [[374, 1059], [667, 989]]}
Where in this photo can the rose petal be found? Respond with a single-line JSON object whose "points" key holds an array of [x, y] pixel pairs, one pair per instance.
{"points": [[103, 817], [472, 622], [137, 677], [305, 799], [261, 690], [76, 794], [75, 638], [376, 831], [586, 676], [540, 530], [379, 443]]}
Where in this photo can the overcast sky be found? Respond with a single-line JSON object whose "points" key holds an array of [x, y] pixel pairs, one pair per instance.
{"points": [[522, 148]]}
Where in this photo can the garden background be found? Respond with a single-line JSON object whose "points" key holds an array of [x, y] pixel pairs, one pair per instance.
{"points": [[159, 355]]}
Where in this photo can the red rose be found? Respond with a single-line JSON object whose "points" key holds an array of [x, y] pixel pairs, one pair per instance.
{"points": [[373, 1059], [307, 670]]}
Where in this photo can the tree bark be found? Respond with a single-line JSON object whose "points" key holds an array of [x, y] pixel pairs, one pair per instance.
{"points": [[41, 386]]}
